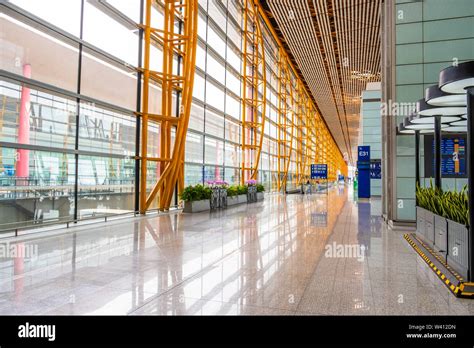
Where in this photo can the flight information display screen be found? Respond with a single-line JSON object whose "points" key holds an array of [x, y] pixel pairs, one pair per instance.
{"points": [[453, 156]]}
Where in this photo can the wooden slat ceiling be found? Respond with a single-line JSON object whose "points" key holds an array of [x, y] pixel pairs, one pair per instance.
{"points": [[335, 44]]}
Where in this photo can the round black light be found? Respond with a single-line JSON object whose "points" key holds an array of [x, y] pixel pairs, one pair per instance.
{"points": [[436, 97], [410, 122], [456, 78], [424, 109], [403, 130]]}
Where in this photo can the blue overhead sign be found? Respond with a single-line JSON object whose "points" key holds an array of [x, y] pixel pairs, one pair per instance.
{"points": [[319, 171]]}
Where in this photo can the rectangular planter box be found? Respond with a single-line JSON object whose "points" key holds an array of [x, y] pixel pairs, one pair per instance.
{"points": [[236, 200], [420, 222], [429, 227], [232, 201], [242, 198], [441, 234], [260, 196], [197, 206], [458, 240]]}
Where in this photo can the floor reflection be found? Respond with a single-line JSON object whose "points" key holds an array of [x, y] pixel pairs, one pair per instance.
{"points": [[262, 258]]}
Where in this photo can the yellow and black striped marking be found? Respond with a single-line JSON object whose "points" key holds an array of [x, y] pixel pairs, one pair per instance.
{"points": [[448, 276], [436, 255]]}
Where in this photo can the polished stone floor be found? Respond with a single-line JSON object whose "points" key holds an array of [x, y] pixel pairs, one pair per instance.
{"points": [[314, 254]]}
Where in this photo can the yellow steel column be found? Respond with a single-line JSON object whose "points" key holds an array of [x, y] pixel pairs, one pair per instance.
{"points": [[286, 120], [281, 111], [144, 116], [174, 45], [301, 136], [253, 101], [323, 148]]}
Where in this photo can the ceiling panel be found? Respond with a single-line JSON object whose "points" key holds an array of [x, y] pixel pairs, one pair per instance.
{"points": [[335, 44]]}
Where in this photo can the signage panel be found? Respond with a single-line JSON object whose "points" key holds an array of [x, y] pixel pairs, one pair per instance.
{"points": [[363, 155], [375, 169], [319, 171], [363, 168]]}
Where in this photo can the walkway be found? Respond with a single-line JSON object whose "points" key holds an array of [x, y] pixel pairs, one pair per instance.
{"points": [[313, 254]]}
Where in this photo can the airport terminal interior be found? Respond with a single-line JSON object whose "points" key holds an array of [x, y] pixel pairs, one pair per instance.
{"points": [[236, 157]]}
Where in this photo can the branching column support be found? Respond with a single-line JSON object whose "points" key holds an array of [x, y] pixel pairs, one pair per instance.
{"points": [[302, 145], [176, 46], [310, 139], [253, 91], [286, 120]]}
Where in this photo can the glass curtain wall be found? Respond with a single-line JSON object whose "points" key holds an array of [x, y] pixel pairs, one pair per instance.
{"points": [[68, 92], [67, 128]]}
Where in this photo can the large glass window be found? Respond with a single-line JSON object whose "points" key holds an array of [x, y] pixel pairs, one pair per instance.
{"points": [[130, 8], [199, 87], [214, 124], [232, 130], [193, 174], [99, 78], [232, 175], [232, 106], [46, 120], [213, 173], [214, 96], [65, 15], [233, 83], [217, 11], [196, 119], [215, 69], [213, 151], [215, 41], [101, 130], [232, 154], [202, 25], [102, 30], [201, 57], [233, 34], [32, 53], [106, 186], [194, 148], [41, 143], [235, 11], [233, 58], [45, 194]]}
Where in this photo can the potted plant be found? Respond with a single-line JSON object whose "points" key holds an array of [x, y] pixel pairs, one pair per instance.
{"points": [[232, 195], [455, 208], [450, 213], [218, 193], [196, 198], [428, 206], [242, 191], [251, 190], [260, 192]]}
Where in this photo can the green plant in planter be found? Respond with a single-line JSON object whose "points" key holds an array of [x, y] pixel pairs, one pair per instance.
{"points": [[455, 206], [242, 189], [429, 198], [452, 205], [195, 193], [232, 191], [260, 188]]}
